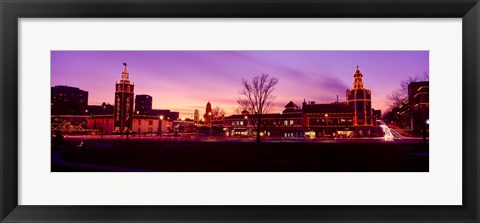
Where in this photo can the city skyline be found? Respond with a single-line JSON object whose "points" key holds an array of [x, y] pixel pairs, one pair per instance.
{"points": [[186, 80]]}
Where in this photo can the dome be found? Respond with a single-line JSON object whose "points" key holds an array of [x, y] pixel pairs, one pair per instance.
{"points": [[361, 94]]}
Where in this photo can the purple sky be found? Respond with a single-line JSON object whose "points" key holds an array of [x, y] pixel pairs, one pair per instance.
{"points": [[185, 80]]}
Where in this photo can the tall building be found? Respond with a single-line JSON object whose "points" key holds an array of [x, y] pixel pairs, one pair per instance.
{"points": [[208, 114], [418, 98], [359, 100], [196, 116], [123, 114], [143, 104], [121, 118], [67, 100]]}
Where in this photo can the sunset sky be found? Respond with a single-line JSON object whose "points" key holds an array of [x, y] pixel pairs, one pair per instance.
{"points": [[186, 80]]}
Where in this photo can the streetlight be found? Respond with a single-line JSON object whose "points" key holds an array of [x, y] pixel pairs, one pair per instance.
{"points": [[101, 129], [210, 114], [326, 124], [246, 125], [160, 125]]}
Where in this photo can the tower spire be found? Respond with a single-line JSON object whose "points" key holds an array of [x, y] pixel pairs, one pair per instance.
{"points": [[357, 79], [125, 73]]}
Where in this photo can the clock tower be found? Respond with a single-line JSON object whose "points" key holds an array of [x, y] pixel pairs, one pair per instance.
{"points": [[359, 100], [123, 113]]}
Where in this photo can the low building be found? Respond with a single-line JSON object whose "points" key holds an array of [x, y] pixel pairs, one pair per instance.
{"points": [[103, 124], [328, 120], [141, 124], [167, 114], [104, 109], [238, 125]]}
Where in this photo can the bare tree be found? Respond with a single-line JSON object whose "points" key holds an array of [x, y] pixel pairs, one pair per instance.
{"points": [[397, 97], [243, 105], [258, 98], [218, 113]]}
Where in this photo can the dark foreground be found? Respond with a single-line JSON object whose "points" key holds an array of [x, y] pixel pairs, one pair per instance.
{"points": [[177, 156]]}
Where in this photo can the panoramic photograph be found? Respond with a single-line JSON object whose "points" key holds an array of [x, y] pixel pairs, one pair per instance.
{"points": [[240, 111]]}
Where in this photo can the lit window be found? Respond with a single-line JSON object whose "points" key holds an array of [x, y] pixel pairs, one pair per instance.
{"points": [[291, 122], [241, 122], [285, 122]]}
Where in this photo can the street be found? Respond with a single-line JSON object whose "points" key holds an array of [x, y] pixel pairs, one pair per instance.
{"points": [[220, 154]]}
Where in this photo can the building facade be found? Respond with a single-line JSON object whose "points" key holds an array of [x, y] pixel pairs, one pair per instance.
{"points": [[103, 109], [102, 124], [66, 100], [272, 125], [418, 96], [143, 104], [328, 120], [142, 124]]}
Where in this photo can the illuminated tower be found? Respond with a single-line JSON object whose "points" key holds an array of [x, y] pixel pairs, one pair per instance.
{"points": [[123, 114], [359, 100], [208, 114]]}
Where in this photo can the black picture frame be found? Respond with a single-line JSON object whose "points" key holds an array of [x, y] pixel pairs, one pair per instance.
{"points": [[11, 11]]}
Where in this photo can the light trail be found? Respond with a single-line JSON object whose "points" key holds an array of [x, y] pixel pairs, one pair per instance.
{"points": [[389, 134]]}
